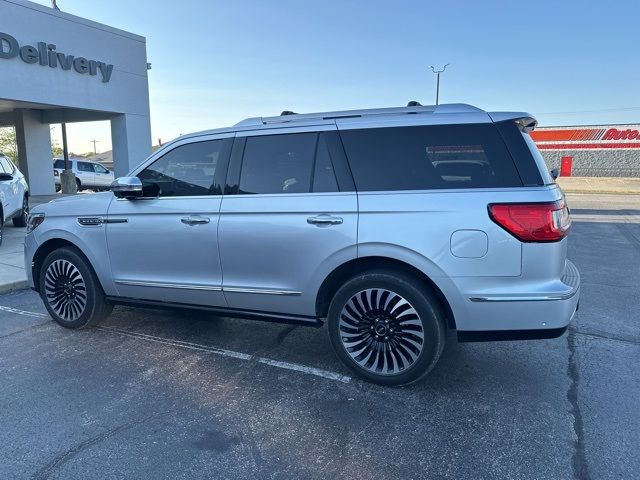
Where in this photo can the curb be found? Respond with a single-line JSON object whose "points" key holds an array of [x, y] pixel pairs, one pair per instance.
{"points": [[10, 287]]}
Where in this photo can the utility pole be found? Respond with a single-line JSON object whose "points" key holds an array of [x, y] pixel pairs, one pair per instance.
{"points": [[67, 177], [438, 72], [95, 152]]}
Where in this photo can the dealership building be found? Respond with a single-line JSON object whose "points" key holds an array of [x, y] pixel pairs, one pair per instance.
{"points": [[59, 68], [591, 151]]}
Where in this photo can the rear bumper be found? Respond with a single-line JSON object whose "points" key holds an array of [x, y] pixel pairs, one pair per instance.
{"points": [[518, 315]]}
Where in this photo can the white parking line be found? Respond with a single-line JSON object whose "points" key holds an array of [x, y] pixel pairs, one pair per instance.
{"points": [[206, 348], [24, 312]]}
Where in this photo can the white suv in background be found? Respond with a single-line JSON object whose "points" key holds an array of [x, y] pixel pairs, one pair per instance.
{"points": [[89, 175], [14, 195]]}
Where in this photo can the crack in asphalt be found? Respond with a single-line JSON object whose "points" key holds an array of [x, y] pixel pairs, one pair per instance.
{"points": [[68, 454], [606, 336], [579, 461]]}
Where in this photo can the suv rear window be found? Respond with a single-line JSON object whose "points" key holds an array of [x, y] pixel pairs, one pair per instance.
{"points": [[429, 157], [59, 164]]}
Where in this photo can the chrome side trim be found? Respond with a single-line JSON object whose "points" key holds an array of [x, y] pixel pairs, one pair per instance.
{"points": [[182, 286], [97, 221], [265, 291], [527, 298]]}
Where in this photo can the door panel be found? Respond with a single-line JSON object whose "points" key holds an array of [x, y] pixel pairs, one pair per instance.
{"points": [[156, 256], [274, 260]]}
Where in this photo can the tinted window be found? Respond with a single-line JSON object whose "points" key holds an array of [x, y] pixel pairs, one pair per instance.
{"points": [[59, 164], [85, 167], [324, 177], [429, 157], [186, 170], [2, 170], [278, 163], [99, 168]]}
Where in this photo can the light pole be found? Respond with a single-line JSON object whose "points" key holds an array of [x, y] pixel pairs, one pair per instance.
{"points": [[438, 72], [95, 152]]}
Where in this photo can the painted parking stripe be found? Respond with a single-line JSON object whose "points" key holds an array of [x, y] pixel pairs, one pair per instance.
{"points": [[205, 348], [230, 353], [24, 312]]}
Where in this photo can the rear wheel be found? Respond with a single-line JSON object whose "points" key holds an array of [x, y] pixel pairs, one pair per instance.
{"points": [[78, 185], [71, 291], [21, 220], [1, 225], [386, 327]]}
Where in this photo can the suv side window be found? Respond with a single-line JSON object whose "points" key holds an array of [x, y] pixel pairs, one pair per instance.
{"points": [[429, 157], [6, 165], [278, 163], [85, 167], [187, 170], [99, 168]]}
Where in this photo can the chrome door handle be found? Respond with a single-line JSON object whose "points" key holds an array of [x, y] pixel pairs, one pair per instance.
{"points": [[324, 220], [195, 220]]}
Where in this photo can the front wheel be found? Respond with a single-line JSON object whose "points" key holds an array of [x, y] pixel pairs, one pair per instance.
{"points": [[70, 290], [386, 327]]}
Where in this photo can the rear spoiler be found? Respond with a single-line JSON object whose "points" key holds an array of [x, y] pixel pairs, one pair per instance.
{"points": [[525, 121]]}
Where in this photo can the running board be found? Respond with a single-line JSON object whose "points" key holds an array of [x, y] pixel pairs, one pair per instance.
{"points": [[221, 311]]}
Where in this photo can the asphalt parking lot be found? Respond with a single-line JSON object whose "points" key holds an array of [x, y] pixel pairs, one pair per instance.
{"points": [[155, 394]]}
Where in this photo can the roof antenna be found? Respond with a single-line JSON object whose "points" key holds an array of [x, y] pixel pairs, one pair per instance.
{"points": [[414, 103], [287, 112]]}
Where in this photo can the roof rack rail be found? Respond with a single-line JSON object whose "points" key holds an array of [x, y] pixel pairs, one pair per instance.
{"points": [[413, 107]]}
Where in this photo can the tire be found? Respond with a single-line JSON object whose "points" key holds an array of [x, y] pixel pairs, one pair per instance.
{"points": [[70, 290], [1, 225], [21, 220], [58, 188], [78, 185], [386, 327]]}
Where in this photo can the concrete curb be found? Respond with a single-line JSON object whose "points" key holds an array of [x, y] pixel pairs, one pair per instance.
{"points": [[12, 286]]}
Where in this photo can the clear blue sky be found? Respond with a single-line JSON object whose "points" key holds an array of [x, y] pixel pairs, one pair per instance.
{"points": [[216, 62]]}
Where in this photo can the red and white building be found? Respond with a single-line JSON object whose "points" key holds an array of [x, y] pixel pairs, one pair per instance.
{"points": [[595, 150]]}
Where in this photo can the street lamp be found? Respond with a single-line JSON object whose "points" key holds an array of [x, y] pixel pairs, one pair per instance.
{"points": [[438, 72]]}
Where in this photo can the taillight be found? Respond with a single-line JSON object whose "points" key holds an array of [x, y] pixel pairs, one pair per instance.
{"points": [[533, 222]]}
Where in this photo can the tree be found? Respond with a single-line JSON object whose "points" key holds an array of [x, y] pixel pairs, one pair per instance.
{"points": [[8, 143]]}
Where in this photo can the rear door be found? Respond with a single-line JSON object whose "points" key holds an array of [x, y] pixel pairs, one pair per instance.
{"points": [[288, 219], [86, 174]]}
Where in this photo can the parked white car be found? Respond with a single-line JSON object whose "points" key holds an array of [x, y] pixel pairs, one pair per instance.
{"points": [[89, 175], [14, 195]]}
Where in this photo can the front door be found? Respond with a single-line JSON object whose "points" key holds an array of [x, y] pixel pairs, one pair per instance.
{"points": [[164, 246], [103, 177], [287, 221]]}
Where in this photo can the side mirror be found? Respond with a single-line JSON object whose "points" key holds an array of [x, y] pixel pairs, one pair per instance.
{"points": [[555, 173], [5, 177], [127, 187]]}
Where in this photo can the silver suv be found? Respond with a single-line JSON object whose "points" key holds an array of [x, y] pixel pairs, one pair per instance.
{"points": [[390, 225], [89, 174]]}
